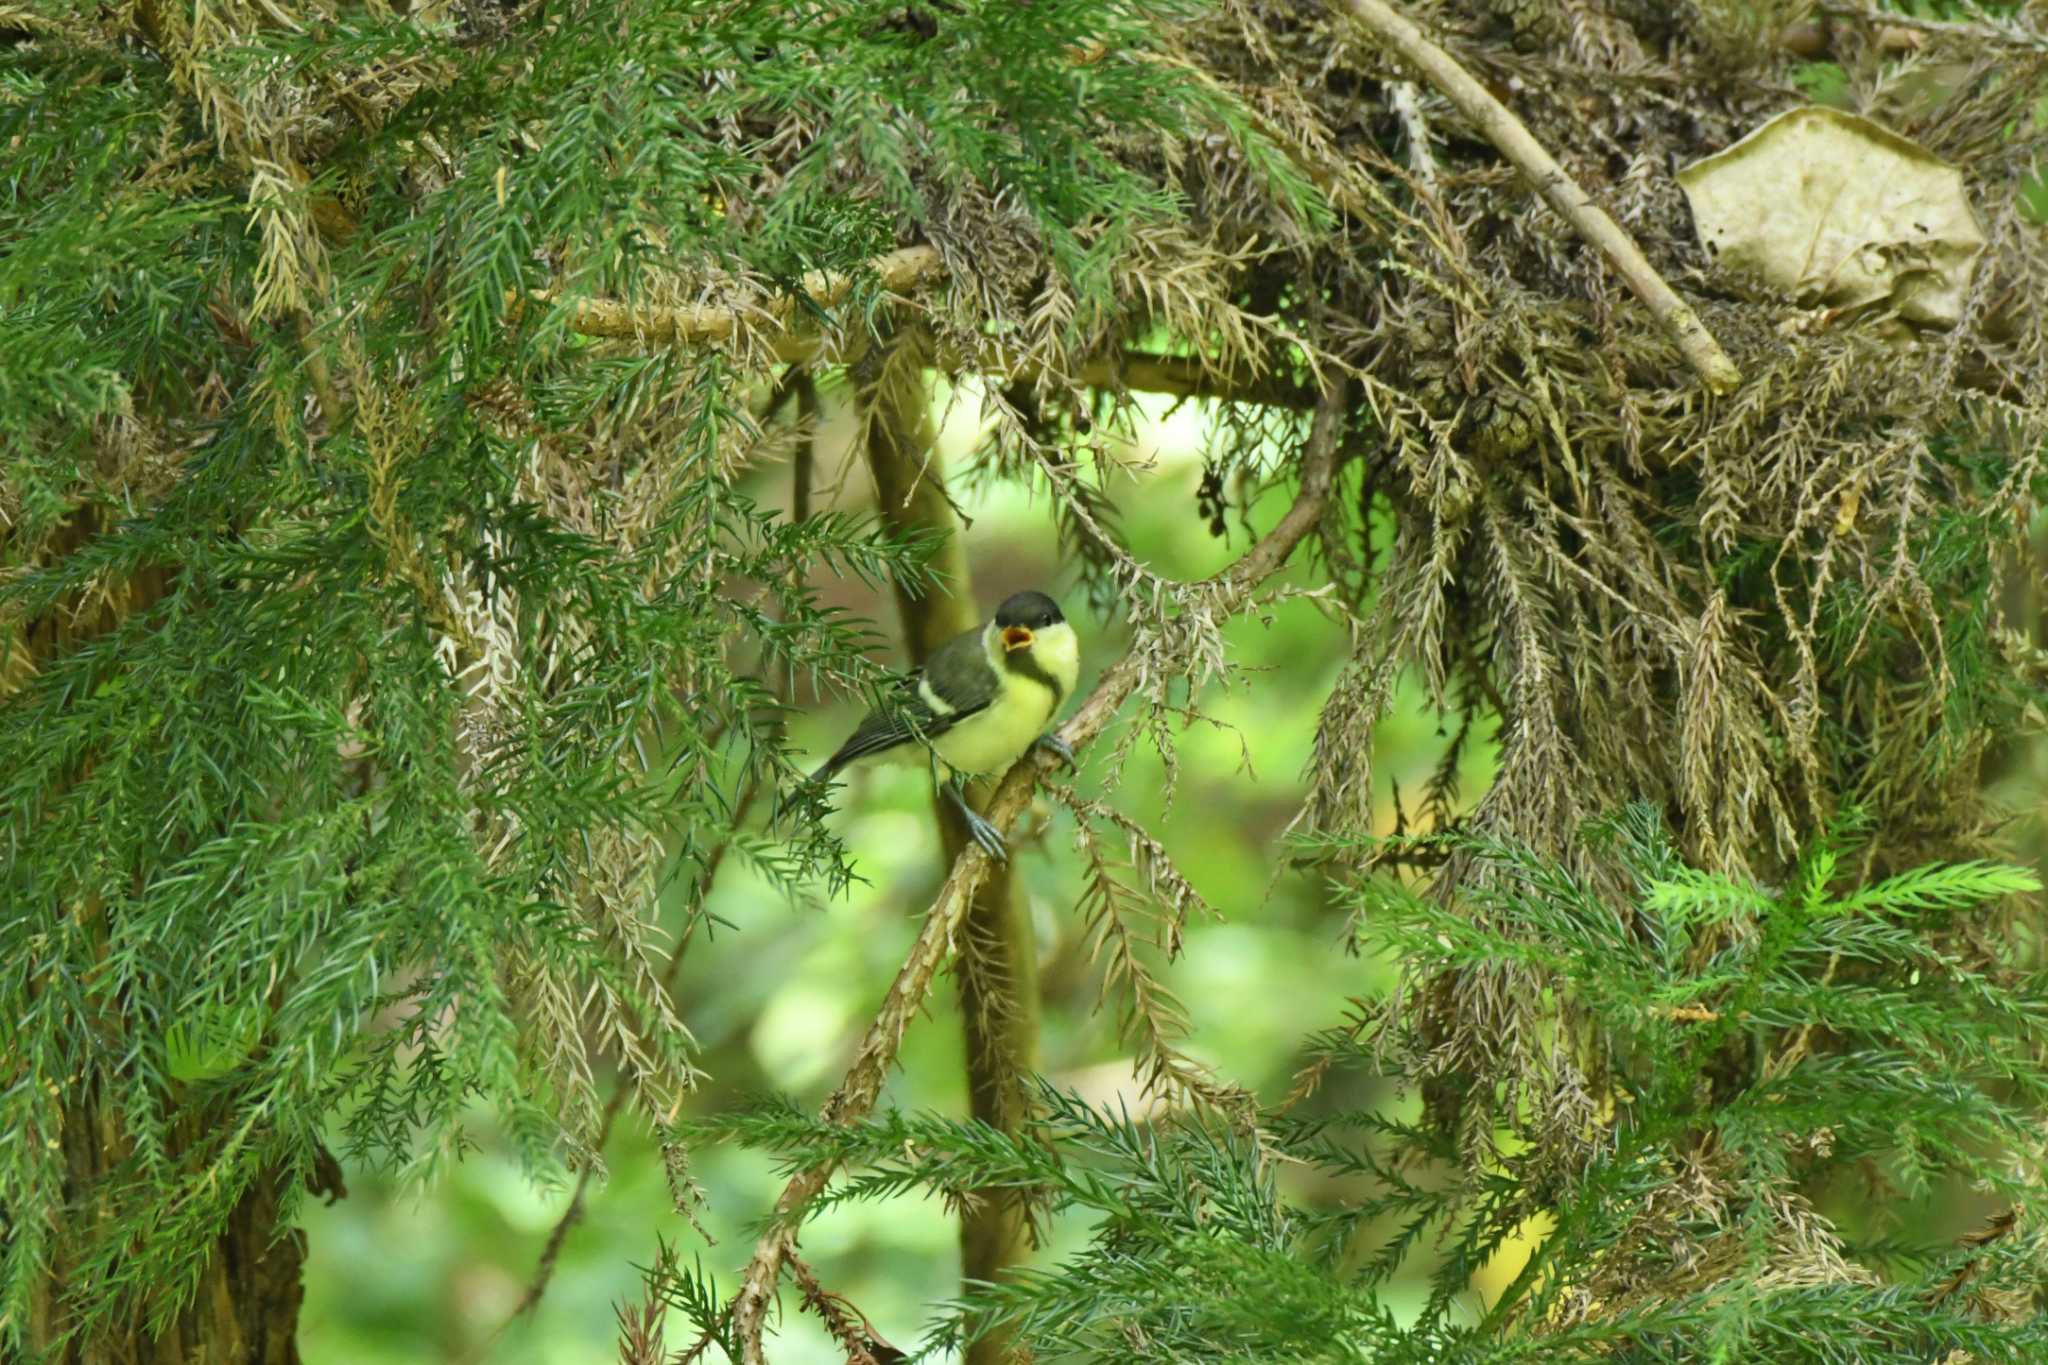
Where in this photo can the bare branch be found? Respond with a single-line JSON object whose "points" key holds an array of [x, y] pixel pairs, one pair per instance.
{"points": [[901, 272], [1506, 132], [1229, 590], [698, 323]]}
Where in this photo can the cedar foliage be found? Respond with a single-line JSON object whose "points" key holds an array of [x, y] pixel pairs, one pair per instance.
{"points": [[377, 635], [1681, 1231]]}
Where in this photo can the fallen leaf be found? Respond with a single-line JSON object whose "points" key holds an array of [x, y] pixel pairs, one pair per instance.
{"points": [[1840, 212]]}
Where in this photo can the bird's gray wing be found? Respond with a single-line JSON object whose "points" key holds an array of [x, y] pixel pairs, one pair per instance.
{"points": [[905, 717], [900, 720]]}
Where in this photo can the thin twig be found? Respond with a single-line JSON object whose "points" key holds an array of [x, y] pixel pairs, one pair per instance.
{"points": [[1987, 28], [1997, 1226], [801, 468], [861, 1342], [785, 389], [1183, 377], [1507, 133], [801, 476], [1227, 591]]}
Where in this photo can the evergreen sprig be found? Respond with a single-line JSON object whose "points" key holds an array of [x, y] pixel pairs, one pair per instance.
{"points": [[1754, 1043]]}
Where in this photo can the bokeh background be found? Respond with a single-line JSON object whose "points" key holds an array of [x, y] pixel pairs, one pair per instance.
{"points": [[777, 1000], [777, 996]]}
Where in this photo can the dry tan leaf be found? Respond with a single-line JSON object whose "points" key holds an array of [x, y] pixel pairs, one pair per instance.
{"points": [[1839, 211]]}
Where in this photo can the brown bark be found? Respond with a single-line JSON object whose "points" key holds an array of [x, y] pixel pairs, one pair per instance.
{"points": [[245, 1307]]}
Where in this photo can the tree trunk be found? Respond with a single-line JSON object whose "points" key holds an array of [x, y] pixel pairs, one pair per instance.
{"points": [[997, 964], [245, 1310], [245, 1307]]}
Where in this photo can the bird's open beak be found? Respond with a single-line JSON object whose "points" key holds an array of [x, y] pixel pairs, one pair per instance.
{"points": [[1016, 637]]}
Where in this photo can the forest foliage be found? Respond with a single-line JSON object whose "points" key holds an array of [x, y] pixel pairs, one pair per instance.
{"points": [[383, 624]]}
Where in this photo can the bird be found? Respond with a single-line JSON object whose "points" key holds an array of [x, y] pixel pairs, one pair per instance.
{"points": [[979, 703]]}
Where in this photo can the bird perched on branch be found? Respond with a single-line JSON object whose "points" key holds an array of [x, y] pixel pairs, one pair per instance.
{"points": [[981, 700]]}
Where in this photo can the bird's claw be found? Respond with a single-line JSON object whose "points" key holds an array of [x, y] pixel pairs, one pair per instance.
{"points": [[988, 836], [1060, 748], [978, 829]]}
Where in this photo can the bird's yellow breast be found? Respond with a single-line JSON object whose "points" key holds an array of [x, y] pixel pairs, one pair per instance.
{"points": [[991, 740]]}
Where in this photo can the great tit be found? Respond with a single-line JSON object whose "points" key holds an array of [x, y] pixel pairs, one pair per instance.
{"points": [[981, 700]]}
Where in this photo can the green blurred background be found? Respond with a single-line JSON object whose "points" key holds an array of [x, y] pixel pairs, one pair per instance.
{"points": [[778, 995], [778, 1000]]}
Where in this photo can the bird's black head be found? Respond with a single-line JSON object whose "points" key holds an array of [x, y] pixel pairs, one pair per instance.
{"points": [[1031, 610]]}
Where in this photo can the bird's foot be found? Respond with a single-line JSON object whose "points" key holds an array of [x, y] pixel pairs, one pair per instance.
{"points": [[981, 831], [1060, 748], [988, 836]]}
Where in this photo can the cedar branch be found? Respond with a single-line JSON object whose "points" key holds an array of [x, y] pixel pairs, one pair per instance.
{"points": [[900, 272], [1514, 140], [701, 323], [1228, 591]]}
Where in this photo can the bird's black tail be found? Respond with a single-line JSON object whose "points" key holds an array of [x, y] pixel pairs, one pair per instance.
{"points": [[829, 769], [809, 790]]}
